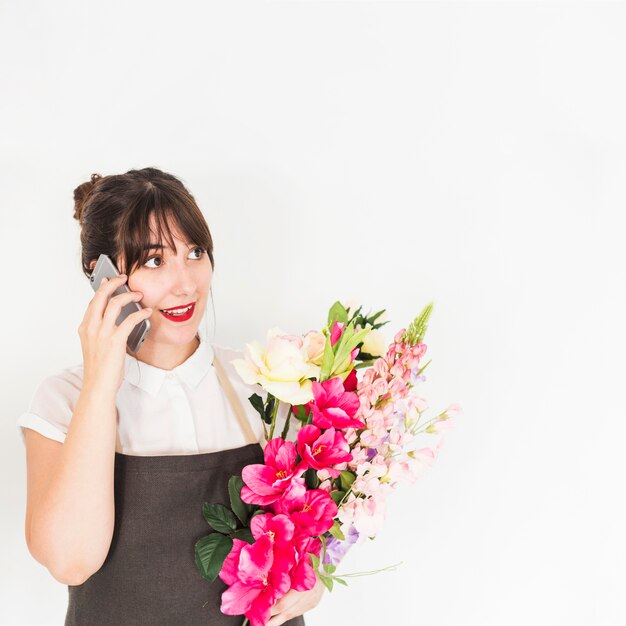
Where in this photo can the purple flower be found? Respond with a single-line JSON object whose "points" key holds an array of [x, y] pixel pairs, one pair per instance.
{"points": [[336, 549]]}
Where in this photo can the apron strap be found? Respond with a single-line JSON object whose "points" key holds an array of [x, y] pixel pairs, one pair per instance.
{"points": [[118, 443], [244, 424]]}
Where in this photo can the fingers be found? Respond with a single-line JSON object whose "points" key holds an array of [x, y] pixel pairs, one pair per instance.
{"points": [[126, 327], [287, 601], [97, 305], [116, 303], [279, 619]]}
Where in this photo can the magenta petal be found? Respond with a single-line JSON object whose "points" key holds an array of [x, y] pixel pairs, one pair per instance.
{"points": [[258, 524], [247, 495], [308, 434], [260, 478], [260, 610], [303, 575], [279, 453], [349, 402], [286, 455], [256, 560], [238, 598], [228, 573]]}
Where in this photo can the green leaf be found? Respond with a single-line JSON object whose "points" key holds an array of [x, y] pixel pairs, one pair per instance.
{"points": [[335, 531], [314, 561], [347, 478], [346, 347], [327, 359], [219, 518], [245, 534], [377, 315], [257, 402], [269, 408], [337, 313], [329, 567], [311, 478], [211, 551], [337, 496], [340, 580], [355, 315], [417, 329], [241, 509], [327, 580]]}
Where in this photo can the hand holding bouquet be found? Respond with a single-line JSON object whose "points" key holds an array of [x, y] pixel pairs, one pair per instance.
{"points": [[293, 517]]}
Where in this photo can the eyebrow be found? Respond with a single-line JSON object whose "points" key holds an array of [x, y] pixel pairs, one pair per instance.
{"points": [[156, 246]]}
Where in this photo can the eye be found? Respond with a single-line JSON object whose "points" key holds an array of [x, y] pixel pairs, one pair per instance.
{"points": [[158, 256]]}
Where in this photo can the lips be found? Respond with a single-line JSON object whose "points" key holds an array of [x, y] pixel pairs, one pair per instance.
{"points": [[180, 306], [179, 318]]}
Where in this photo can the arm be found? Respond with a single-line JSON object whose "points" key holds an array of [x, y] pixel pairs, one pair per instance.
{"points": [[70, 511]]}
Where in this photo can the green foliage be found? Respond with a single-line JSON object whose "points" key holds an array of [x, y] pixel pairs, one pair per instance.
{"points": [[337, 313], [257, 402], [417, 329], [245, 534], [241, 509], [337, 496], [347, 478], [335, 531], [326, 575], [219, 518], [210, 553], [311, 478]]}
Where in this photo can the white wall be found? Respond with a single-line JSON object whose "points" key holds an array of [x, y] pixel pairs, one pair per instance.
{"points": [[394, 153]]}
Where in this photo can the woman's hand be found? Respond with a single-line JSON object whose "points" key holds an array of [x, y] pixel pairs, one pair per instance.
{"points": [[295, 603], [103, 342]]}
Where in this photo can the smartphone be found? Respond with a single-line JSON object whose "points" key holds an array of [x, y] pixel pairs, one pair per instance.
{"points": [[105, 268]]}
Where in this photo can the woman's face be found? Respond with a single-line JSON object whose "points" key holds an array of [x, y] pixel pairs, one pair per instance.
{"points": [[173, 279]]}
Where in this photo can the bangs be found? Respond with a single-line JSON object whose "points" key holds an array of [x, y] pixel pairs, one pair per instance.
{"points": [[172, 208]]}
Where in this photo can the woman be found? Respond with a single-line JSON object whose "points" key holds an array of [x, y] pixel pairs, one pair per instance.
{"points": [[123, 450]]}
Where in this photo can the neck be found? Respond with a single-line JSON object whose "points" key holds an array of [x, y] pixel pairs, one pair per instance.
{"points": [[164, 356]]}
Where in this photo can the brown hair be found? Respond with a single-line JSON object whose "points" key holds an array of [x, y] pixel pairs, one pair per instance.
{"points": [[114, 213]]}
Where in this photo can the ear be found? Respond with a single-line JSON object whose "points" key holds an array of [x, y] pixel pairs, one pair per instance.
{"points": [[92, 264]]}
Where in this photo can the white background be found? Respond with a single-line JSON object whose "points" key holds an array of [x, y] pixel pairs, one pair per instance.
{"points": [[393, 153]]}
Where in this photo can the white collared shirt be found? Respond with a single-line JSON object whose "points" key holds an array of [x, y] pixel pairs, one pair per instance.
{"points": [[159, 412]]}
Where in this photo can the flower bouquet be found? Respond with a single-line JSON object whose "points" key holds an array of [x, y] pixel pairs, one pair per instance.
{"points": [[293, 517]]}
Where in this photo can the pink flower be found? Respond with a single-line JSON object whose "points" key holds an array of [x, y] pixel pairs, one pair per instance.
{"points": [[322, 450], [351, 381], [254, 584], [336, 332], [279, 528], [334, 407], [312, 510], [303, 575], [265, 483]]}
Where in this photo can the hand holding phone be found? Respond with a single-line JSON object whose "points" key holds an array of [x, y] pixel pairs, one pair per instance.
{"points": [[114, 319]]}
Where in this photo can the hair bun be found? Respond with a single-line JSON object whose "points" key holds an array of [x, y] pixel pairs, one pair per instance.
{"points": [[82, 194]]}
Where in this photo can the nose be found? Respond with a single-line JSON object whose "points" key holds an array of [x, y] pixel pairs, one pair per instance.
{"points": [[183, 280]]}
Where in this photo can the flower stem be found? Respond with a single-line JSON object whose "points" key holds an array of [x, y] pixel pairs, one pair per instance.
{"points": [[389, 568], [274, 412], [246, 621], [286, 428]]}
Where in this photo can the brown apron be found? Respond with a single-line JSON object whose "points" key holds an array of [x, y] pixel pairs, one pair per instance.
{"points": [[149, 577]]}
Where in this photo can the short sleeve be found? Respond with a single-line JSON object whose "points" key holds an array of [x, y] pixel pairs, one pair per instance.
{"points": [[52, 405]]}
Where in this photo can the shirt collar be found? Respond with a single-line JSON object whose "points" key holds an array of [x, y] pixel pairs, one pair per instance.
{"points": [[191, 371]]}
